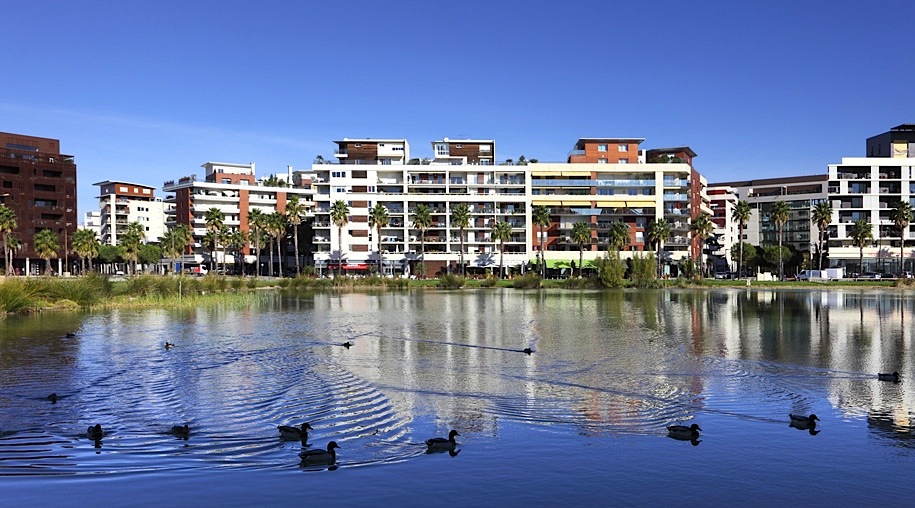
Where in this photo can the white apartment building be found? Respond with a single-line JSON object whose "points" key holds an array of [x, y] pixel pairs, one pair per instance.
{"points": [[121, 203], [233, 190], [462, 172]]}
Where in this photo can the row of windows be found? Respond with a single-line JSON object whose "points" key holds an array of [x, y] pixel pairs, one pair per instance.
{"points": [[603, 147]]}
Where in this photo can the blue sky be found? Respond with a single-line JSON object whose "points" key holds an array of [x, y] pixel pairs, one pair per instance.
{"points": [[149, 91]]}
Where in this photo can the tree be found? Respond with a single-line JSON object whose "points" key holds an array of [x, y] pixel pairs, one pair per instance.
{"points": [[255, 227], [295, 211], [46, 246], [236, 242], [741, 215], [701, 227], [581, 234], [86, 245], [861, 235], [658, 232], [214, 221], [522, 161], [223, 236], [339, 215], [319, 159], [460, 217], [379, 218], [273, 181], [422, 221], [501, 232], [746, 250], [540, 216], [276, 229], [822, 217], [902, 216], [175, 241], [618, 236], [779, 213], [7, 226], [129, 244]]}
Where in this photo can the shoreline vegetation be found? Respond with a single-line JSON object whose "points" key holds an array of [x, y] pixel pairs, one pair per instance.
{"points": [[35, 294]]}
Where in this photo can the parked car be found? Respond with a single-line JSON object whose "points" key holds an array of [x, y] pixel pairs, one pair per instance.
{"points": [[905, 275], [870, 275]]}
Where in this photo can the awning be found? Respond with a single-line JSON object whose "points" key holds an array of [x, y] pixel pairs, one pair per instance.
{"points": [[564, 263]]}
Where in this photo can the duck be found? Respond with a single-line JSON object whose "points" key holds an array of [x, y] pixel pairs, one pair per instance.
{"points": [[169, 345], [182, 431], [290, 433], [527, 350], [53, 398], [683, 432], [347, 344], [894, 377], [440, 443], [809, 420], [328, 456], [95, 432], [70, 335]]}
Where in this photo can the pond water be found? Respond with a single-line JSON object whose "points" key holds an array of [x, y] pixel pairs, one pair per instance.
{"points": [[580, 420]]}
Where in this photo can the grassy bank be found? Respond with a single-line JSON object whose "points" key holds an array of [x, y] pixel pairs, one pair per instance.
{"points": [[33, 294]]}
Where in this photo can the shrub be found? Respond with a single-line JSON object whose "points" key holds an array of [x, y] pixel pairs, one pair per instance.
{"points": [[451, 281], [529, 280], [644, 271], [489, 282], [611, 270], [18, 296]]}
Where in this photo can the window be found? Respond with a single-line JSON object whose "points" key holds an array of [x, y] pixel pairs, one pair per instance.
{"points": [[459, 146], [602, 160], [624, 147], [358, 145], [441, 149], [623, 160], [602, 147], [485, 148]]}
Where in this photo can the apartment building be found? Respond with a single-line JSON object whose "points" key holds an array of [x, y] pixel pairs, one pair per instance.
{"points": [[608, 180], [234, 190], [801, 193], [39, 184], [372, 151], [122, 203], [462, 171]]}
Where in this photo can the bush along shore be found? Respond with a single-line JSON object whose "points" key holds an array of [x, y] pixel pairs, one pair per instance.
{"points": [[34, 294]]}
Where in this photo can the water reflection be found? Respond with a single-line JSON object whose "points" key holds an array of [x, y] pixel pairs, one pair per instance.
{"points": [[417, 363]]}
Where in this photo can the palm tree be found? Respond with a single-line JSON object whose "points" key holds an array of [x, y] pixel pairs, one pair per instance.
{"points": [[460, 217], [175, 241], [339, 215], [7, 226], [255, 227], [214, 221], [295, 211], [702, 228], [540, 216], [581, 234], [779, 213], [822, 217], [422, 220], [46, 246], [861, 235], [902, 216], [379, 218], [224, 235], [276, 229], [501, 232], [237, 241], [741, 215], [658, 232], [86, 245], [618, 236], [130, 243]]}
